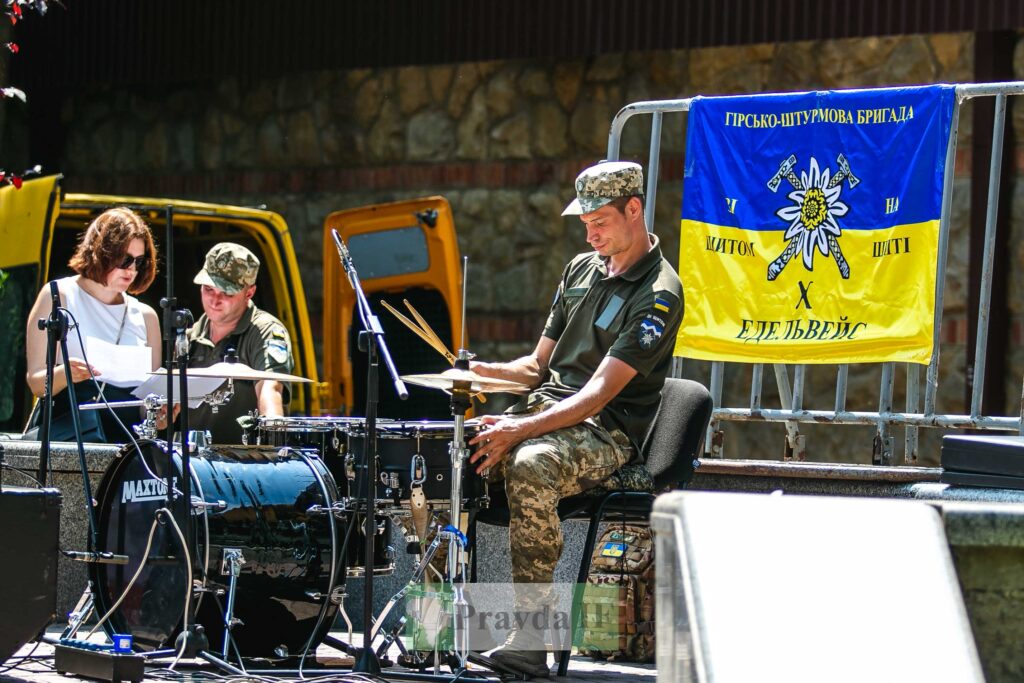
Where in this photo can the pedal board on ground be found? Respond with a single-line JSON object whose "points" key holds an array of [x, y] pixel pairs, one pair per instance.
{"points": [[97, 661]]}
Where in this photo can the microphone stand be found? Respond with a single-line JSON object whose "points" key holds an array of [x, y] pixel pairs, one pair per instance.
{"points": [[192, 640], [371, 340], [57, 326]]}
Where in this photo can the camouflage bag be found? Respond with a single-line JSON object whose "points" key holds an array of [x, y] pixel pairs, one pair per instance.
{"points": [[618, 599]]}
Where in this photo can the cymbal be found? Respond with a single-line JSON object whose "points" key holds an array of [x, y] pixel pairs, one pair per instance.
{"points": [[237, 371], [478, 384]]}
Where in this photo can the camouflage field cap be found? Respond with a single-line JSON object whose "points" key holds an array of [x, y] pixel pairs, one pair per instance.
{"points": [[603, 182], [229, 267]]}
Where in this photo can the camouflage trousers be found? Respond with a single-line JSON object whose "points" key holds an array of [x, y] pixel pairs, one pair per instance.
{"points": [[538, 474]]}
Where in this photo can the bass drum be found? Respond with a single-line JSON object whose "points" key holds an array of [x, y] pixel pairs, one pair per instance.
{"points": [[253, 499]]}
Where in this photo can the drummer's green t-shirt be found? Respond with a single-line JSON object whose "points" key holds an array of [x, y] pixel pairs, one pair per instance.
{"points": [[633, 316], [262, 343]]}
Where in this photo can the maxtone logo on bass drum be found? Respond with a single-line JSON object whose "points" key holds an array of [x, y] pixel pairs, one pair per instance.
{"points": [[143, 490]]}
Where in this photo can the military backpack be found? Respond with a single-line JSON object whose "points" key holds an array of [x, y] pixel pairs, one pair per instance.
{"points": [[618, 599]]}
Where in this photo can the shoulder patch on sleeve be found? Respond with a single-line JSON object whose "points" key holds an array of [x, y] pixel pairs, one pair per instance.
{"points": [[277, 350], [651, 329]]}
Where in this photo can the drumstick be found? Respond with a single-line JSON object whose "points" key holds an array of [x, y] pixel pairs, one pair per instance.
{"points": [[428, 335], [437, 346], [423, 323]]}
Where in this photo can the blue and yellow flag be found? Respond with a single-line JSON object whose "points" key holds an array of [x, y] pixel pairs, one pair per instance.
{"points": [[810, 225]]}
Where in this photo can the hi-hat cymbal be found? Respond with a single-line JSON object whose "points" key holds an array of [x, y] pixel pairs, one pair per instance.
{"points": [[238, 371], [477, 384]]}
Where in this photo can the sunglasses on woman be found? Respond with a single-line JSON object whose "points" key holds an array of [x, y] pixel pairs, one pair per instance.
{"points": [[139, 262]]}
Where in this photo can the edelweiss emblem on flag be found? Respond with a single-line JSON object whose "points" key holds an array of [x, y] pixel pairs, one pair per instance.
{"points": [[812, 216]]}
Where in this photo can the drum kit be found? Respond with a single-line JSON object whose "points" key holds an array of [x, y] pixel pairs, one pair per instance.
{"points": [[241, 553], [278, 525]]}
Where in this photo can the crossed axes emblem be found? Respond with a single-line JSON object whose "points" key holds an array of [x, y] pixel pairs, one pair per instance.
{"points": [[786, 171]]}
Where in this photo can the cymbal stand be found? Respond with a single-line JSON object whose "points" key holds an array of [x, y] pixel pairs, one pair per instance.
{"points": [[460, 403], [456, 539]]}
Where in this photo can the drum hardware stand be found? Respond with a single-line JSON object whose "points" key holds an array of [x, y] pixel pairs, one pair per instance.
{"points": [[417, 575], [147, 428], [234, 560], [371, 340]]}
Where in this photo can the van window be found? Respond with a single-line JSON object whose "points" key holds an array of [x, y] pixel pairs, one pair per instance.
{"points": [[390, 252]]}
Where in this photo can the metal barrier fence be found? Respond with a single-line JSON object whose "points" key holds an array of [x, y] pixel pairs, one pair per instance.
{"points": [[885, 418]]}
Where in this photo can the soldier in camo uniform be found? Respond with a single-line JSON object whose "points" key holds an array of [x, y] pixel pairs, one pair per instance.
{"points": [[231, 320], [596, 374]]}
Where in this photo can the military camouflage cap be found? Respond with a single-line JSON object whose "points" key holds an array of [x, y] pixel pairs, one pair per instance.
{"points": [[229, 267], [603, 182]]}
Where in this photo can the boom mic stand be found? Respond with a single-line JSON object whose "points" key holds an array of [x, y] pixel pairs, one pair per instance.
{"points": [[372, 337]]}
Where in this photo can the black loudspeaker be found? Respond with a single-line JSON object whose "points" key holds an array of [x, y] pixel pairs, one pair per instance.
{"points": [[983, 460], [30, 519]]}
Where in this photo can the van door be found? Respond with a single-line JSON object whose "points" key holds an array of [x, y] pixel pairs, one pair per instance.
{"points": [[27, 216], [403, 251]]}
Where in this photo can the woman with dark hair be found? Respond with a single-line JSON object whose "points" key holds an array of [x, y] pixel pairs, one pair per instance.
{"points": [[115, 258]]}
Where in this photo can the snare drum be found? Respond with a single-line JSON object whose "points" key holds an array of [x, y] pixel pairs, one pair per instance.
{"points": [[326, 435], [417, 454]]}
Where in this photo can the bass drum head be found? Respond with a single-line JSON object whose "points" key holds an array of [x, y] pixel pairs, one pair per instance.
{"points": [[257, 501]]}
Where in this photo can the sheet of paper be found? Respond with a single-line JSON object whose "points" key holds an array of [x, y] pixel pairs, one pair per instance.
{"points": [[121, 364], [198, 387]]}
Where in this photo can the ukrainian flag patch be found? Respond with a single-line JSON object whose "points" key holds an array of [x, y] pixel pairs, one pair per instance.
{"points": [[613, 550], [661, 305]]}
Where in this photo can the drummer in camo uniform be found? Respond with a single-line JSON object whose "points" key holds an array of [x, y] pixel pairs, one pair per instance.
{"points": [[596, 374], [232, 320]]}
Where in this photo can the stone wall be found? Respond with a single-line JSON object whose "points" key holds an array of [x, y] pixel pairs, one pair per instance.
{"points": [[503, 141]]}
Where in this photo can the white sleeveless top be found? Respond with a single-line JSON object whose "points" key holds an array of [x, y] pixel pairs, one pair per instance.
{"points": [[100, 320]]}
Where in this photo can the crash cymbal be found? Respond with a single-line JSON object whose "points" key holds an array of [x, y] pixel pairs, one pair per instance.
{"points": [[478, 384], [238, 371]]}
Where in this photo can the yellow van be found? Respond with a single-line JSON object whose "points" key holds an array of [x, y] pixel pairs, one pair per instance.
{"points": [[39, 229]]}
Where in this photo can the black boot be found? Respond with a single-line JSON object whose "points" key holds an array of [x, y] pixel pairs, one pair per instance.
{"points": [[525, 653]]}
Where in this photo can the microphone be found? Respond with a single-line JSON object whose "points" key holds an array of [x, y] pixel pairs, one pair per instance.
{"points": [[99, 558], [182, 322], [346, 258], [54, 295], [51, 322]]}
